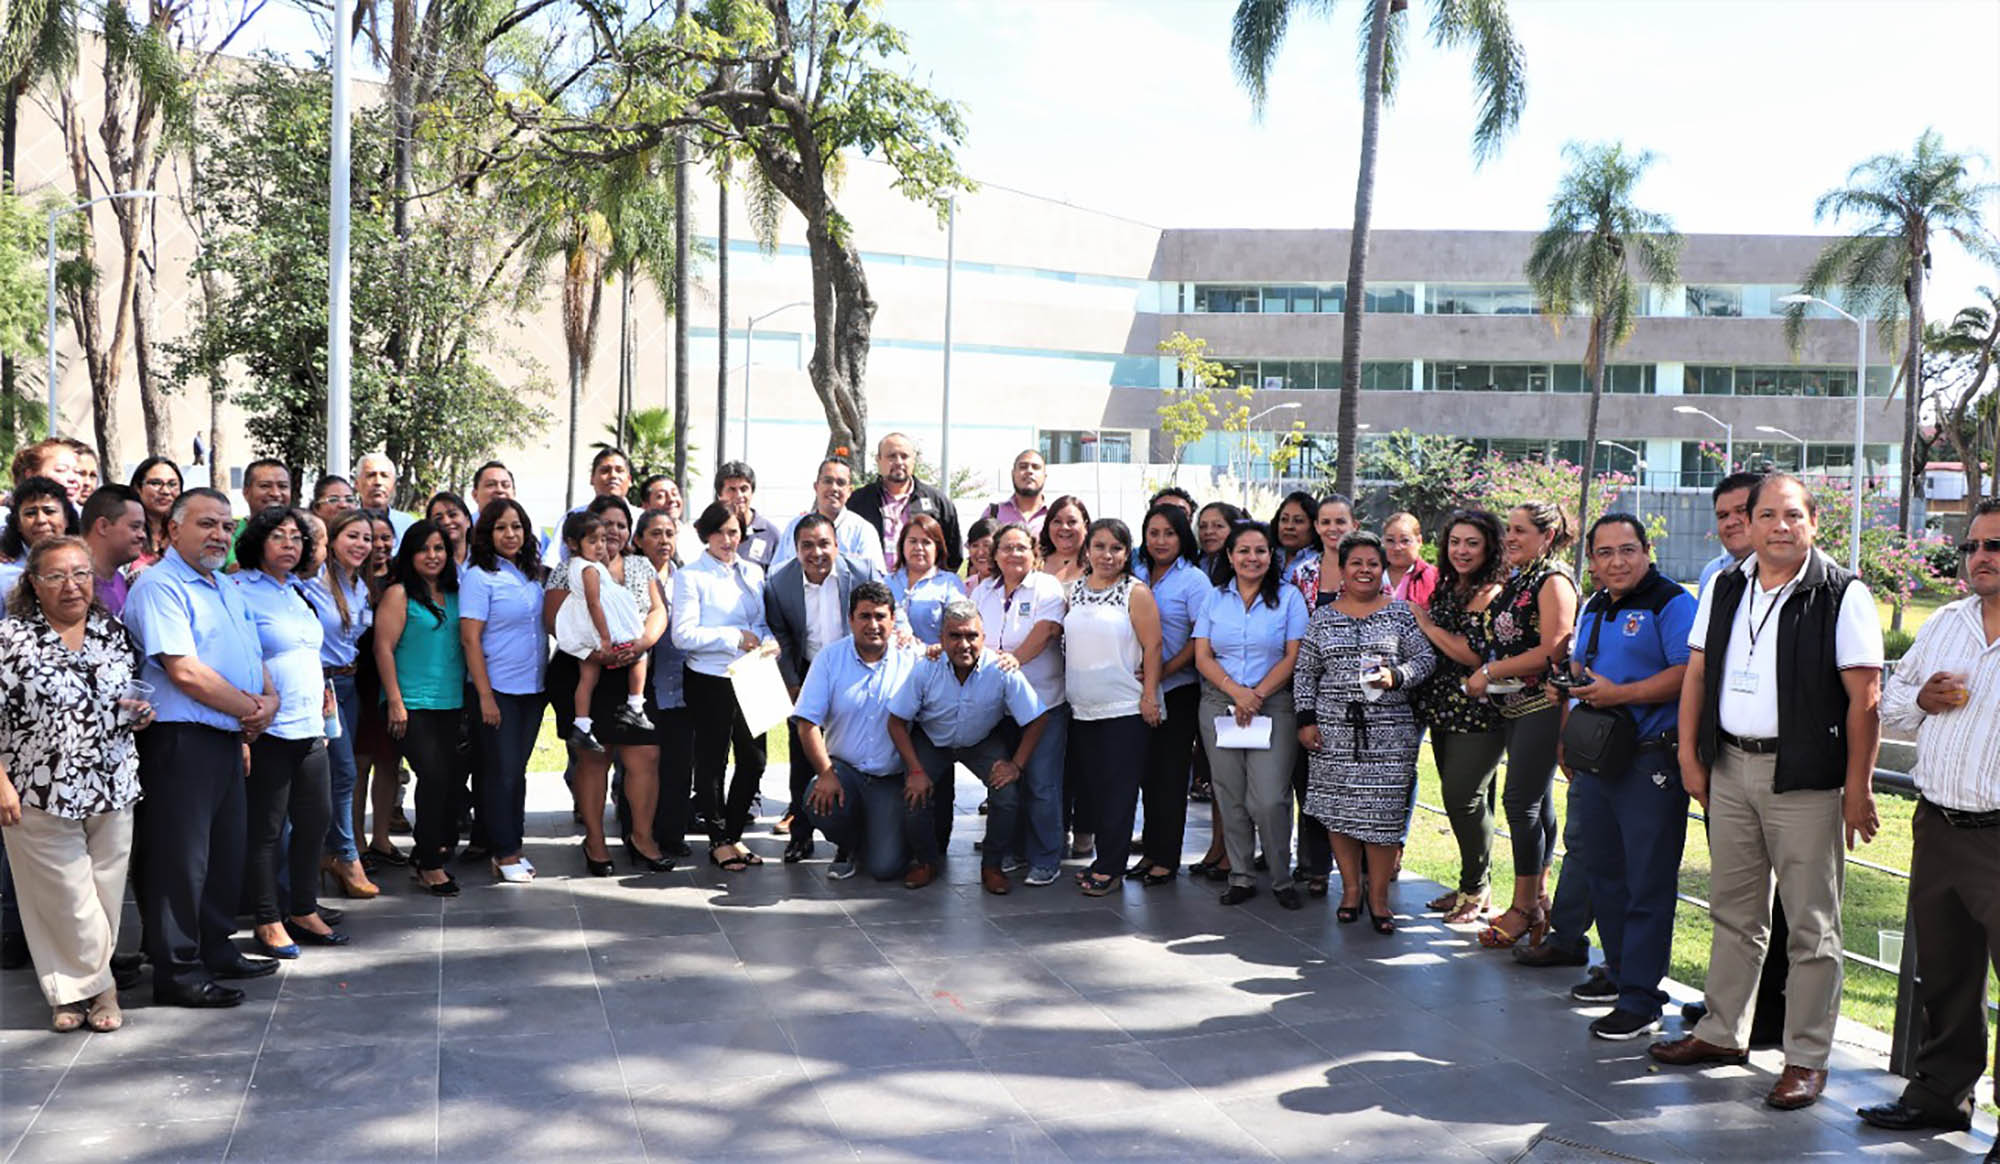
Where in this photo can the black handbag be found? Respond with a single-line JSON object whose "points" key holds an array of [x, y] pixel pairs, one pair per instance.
{"points": [[1603, 740]]}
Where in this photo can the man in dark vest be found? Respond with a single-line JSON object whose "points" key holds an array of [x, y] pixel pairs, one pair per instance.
{"points": [[1778, 732]]}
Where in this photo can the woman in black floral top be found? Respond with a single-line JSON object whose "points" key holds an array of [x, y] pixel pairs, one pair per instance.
{"points": [[1465, 733], [71, 776], [1531, 626]]}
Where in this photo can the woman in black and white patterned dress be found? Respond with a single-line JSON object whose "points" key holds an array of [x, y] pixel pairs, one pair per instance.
{"points": [[71, 775]]}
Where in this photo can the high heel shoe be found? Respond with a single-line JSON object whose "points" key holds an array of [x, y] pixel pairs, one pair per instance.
{"points": [[446, 888], [1384, 923], [660, 864], [1347, 915], [306, 937], [283, 953], [352, 883], [598, 868], [1496, 936]]}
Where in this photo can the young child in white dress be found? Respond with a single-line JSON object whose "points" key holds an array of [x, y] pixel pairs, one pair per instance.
{"points": [[599, 613]]}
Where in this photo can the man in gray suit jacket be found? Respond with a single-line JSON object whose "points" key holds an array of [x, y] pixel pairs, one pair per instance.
{"points": [[805, 604]]}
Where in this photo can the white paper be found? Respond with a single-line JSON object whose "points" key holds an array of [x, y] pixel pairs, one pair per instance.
{"points": [[760, 691], [1256, 737]]}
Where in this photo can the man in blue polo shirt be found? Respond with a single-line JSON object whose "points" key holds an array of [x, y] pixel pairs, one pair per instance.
{"points": [[954, 704], [210, 697], [861, 800], [1629, 655]]}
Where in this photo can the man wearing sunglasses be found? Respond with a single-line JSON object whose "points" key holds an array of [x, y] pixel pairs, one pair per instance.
{"points": [[1947, 691]]}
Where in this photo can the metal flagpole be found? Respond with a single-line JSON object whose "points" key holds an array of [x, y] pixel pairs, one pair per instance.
{"points": [[339, 420]]}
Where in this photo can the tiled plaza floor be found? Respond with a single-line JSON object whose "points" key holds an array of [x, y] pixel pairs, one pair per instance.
{"points": [[775, 1014]]}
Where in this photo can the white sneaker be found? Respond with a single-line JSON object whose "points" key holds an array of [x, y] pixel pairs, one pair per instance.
{"points": [[519, 873]]}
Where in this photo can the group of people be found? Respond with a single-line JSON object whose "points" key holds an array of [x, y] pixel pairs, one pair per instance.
{"points": [[205, 697]]}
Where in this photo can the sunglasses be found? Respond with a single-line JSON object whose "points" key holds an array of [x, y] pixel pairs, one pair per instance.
{"points": [[1983, 545]]}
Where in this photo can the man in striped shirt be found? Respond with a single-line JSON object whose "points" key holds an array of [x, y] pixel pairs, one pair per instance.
{"points": [[1947, 690]]}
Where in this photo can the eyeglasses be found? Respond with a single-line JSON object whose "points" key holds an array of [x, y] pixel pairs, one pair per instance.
{"points": [[1970, 547], [79, 577], [344, 500], [160, 483]]}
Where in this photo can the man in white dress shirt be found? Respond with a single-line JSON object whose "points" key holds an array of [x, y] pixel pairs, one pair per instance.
{"points": [[1947, 690], [855, 537]]}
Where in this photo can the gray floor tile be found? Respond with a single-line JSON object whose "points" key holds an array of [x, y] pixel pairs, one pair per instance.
{"points": [[1126, 961], [1239, 1061], [960, 934], [22, 1092], [522, 1007], [950, 981], [1399, 1043], [1079, 1081], [696, 997], [832, 1043], [1018, 1142], [336, 1135], [1183, 1010], [1498, 1101], [825, 948], [482, 971], [814, 990], [1192, 1129], [393, 1077], [691, 1057], [554, 1063], [159, 1143], [918, 1100], [38, 1046], [656, 958], [358, 971], [596, 1127], [209, 1087], [345, 1022], [1052, 1028], [683, 912], [162, 1032], [770, 1117]]}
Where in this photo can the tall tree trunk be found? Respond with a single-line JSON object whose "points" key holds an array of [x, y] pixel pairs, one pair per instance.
{"points": [[152, 401], [679, 306], [1913, 385], [84, 308], [625, 368], [1596, 356], [403, 115], [10, 141], [843, 310], [575, 412], [722, 316], [1348, 434]]}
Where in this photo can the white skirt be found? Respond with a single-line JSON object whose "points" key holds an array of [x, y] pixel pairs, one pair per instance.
{"points": [[576, 635]]}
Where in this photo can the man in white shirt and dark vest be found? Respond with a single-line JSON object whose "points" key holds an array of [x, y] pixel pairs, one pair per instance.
{"points": [[1778, 733], [1947, 691]]}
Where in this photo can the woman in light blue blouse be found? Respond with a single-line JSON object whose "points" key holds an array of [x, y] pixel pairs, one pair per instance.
{"points": [[500, 627], [1180, 591], [339, 595], [717, 618], [288, 761], [920, 583]]}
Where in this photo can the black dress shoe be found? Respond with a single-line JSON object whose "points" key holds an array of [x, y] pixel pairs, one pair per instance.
{"points": [[201, 994], [244, 967], [799, 848], [305, 937], [1288, 897], [1694, 1012], [330, 915], [1898, 1116], [1237, 894], [13, 951]]}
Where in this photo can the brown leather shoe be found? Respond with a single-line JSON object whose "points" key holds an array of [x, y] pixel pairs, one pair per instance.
{"points": [[1798, 1087], [919, 876], [995, 882], [1688, 1051]]}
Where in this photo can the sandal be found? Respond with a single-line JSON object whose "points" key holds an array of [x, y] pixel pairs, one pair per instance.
{"points": [[66, 1018], [1100, 884], [1384, 923], [1470, 908], [744, 854], [1316, 886], [1444, 902], [733, 863], [1347, 915], [1496, 936], [105, 1016]]}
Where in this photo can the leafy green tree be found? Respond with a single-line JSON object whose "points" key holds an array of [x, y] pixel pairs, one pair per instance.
{"points": [[21, 313], [1485, 27], [1426, 474], [648, 441], [1597, 248], [1187, 412], [1964, 402], [444, 409], [1900, 203]]}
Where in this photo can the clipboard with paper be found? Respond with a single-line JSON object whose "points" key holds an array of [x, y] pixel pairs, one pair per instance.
{"points": [[760, 691]]}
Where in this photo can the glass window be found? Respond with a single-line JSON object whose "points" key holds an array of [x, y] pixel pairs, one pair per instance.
{"points": [[1510, 377], [1391, 299], [1839, 382], [1715, 301], [1513, 301], [1718, 381], [1569, 378], [1333, 300], [1880, 376], [1277, 300]]}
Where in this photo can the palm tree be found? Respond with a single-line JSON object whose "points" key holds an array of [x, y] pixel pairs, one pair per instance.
{"points": [[1497, 74], [1900, 201], [579, 237], [1973, 335], [1585, 260]]}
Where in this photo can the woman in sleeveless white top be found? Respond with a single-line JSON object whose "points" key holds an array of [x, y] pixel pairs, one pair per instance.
{"points": [[1111, 670]]}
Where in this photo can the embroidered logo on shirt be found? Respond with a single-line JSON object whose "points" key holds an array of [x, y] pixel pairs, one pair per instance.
{"points": [[1632, 623]]}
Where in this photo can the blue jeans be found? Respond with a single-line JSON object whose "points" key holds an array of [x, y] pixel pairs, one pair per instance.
{"points": [[340, 759], [873, 822], [1002, 804], [1633, 827], [1041, 830], [503, 753]]}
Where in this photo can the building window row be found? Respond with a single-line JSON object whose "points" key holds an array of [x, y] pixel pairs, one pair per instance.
{"points": [[1085, 446], [1451, 376], [1300, 299], [1317, 375], [1780, 380]]}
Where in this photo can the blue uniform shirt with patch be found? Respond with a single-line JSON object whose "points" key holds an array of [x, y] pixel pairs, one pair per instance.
{"points": [[1644, 633]]}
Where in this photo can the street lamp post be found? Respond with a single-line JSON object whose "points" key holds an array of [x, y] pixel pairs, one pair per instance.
{"points": [[1639, 459], [1728, 435], [750, 337], [56, 215], [1860, 419], [1245, 481], [1774, 430]]}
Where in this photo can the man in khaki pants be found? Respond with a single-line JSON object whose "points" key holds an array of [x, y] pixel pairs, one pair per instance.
{"points": [[1778, 729]]}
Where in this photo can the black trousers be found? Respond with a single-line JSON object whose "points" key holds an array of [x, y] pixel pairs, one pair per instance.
{"points": [[1315, 846], [719, 726], [674, 734], [192, 777], [288, 778], [801, 783], [1170, 753], [1955, 915], [431, 746]]}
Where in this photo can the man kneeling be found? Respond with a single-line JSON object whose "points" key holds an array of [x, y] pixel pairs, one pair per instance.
{"points": [[861, 800], [955, 703]]}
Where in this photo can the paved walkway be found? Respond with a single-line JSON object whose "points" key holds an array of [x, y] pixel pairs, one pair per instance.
{"points": [[775, 1014]]}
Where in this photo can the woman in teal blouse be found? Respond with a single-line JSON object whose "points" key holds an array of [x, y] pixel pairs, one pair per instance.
{"points": [[423, 683]]}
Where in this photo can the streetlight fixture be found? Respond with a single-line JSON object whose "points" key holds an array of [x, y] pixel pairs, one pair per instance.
{"points": [[56, 215], [1774, 430], [1728, 435], [1639, 459], [749, 338], [1245, 481], [1800, 299]]}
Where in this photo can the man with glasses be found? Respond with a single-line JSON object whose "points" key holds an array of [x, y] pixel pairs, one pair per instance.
{"points": [[855, 537], [1946, 691]]}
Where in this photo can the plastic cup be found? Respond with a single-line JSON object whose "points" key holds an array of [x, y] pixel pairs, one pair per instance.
{"points": [[1891, 946], [135, 703]]}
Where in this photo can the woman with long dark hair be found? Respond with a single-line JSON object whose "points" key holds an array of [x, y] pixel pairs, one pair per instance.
{"points": [[422, 663], [377, 759], [500, 629], [1061, 541], [1292, 529], [449, 513], [658, 537], [42, 511], [1466, 739], [339, 597], [157, 481], [1167, 567]]}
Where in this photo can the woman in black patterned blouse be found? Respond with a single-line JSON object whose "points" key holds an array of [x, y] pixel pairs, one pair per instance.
{"points": [[71, 776]]}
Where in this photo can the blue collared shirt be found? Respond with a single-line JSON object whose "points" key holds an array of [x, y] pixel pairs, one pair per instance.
{"points": [[1248, 642], [1716, 565], [959, 715], [288, 631], [339, 645], [852, 533], [1180, 595], [514, 643], [850, 701], [713, 605], [1643, 634], [921, 607], [173, 610]]}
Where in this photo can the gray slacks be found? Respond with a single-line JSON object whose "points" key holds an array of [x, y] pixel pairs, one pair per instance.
{"points": [[1253, 789]]}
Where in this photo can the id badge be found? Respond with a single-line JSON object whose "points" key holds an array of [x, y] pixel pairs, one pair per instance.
{"points": [[1743, 682]]}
